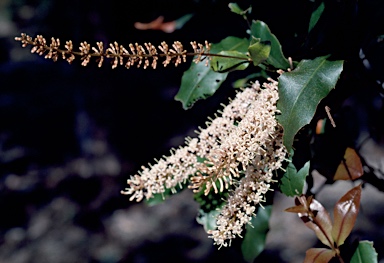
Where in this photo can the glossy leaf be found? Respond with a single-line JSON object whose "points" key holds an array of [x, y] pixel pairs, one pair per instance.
{"points": [[316, 16], [231, 43], [301, 90], [320, 222], [225, 64], [350, 168], [302, 205], [345, 213], [315, 217], [254, 240], [200, 81], [365, 253], [259, 51], [319, 255], [292, 182], [276, 57]]}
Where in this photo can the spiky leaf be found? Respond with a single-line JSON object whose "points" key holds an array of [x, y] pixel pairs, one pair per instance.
{"points": [[292, 182], [365, 253], [301, 90]]}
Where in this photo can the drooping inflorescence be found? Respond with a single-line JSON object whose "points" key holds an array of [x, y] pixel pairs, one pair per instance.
{"points": [[146, 55], [238, 151]]}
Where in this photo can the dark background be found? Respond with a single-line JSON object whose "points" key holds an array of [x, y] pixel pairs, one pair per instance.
{"points": [[70, 136]]}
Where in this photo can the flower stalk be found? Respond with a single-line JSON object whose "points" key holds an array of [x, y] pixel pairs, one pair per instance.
{"points": [[145, 56]]}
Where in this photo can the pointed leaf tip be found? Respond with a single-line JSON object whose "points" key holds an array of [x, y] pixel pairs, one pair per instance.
{"points": [[345, 213]]}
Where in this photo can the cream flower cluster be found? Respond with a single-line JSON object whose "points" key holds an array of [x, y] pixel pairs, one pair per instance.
{"points": [[242, 147]]}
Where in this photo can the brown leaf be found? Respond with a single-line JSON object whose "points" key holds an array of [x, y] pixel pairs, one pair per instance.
{"points": [[315, 217], [319, 255], [296, 209], [350, 168], [320, 222], [345, 213]]}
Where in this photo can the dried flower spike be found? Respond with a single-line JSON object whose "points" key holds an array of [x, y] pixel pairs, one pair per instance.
{"points": [[146, 55]]}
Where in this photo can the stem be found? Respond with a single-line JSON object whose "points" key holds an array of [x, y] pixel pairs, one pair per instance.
{"points": [[336, 249], [125, 55], [340, 258]]}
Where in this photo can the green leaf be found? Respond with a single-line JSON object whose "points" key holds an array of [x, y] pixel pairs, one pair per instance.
{"points": [[235, 8], [259, 51], [231, 43], [292, 182], [200, 81], [365, 253], [345, 214], [182, 20], [254, 240], [225, 64], [276, 57], [319, 255], [315, 16], [301, 90], [207, 219]]}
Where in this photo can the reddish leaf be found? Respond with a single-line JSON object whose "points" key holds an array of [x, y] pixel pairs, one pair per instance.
{"points": [[319, 255], [320, 222], [345, 214], [167, 27], [157, 24], [350, 168], [314, 215], [302, 205]]}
